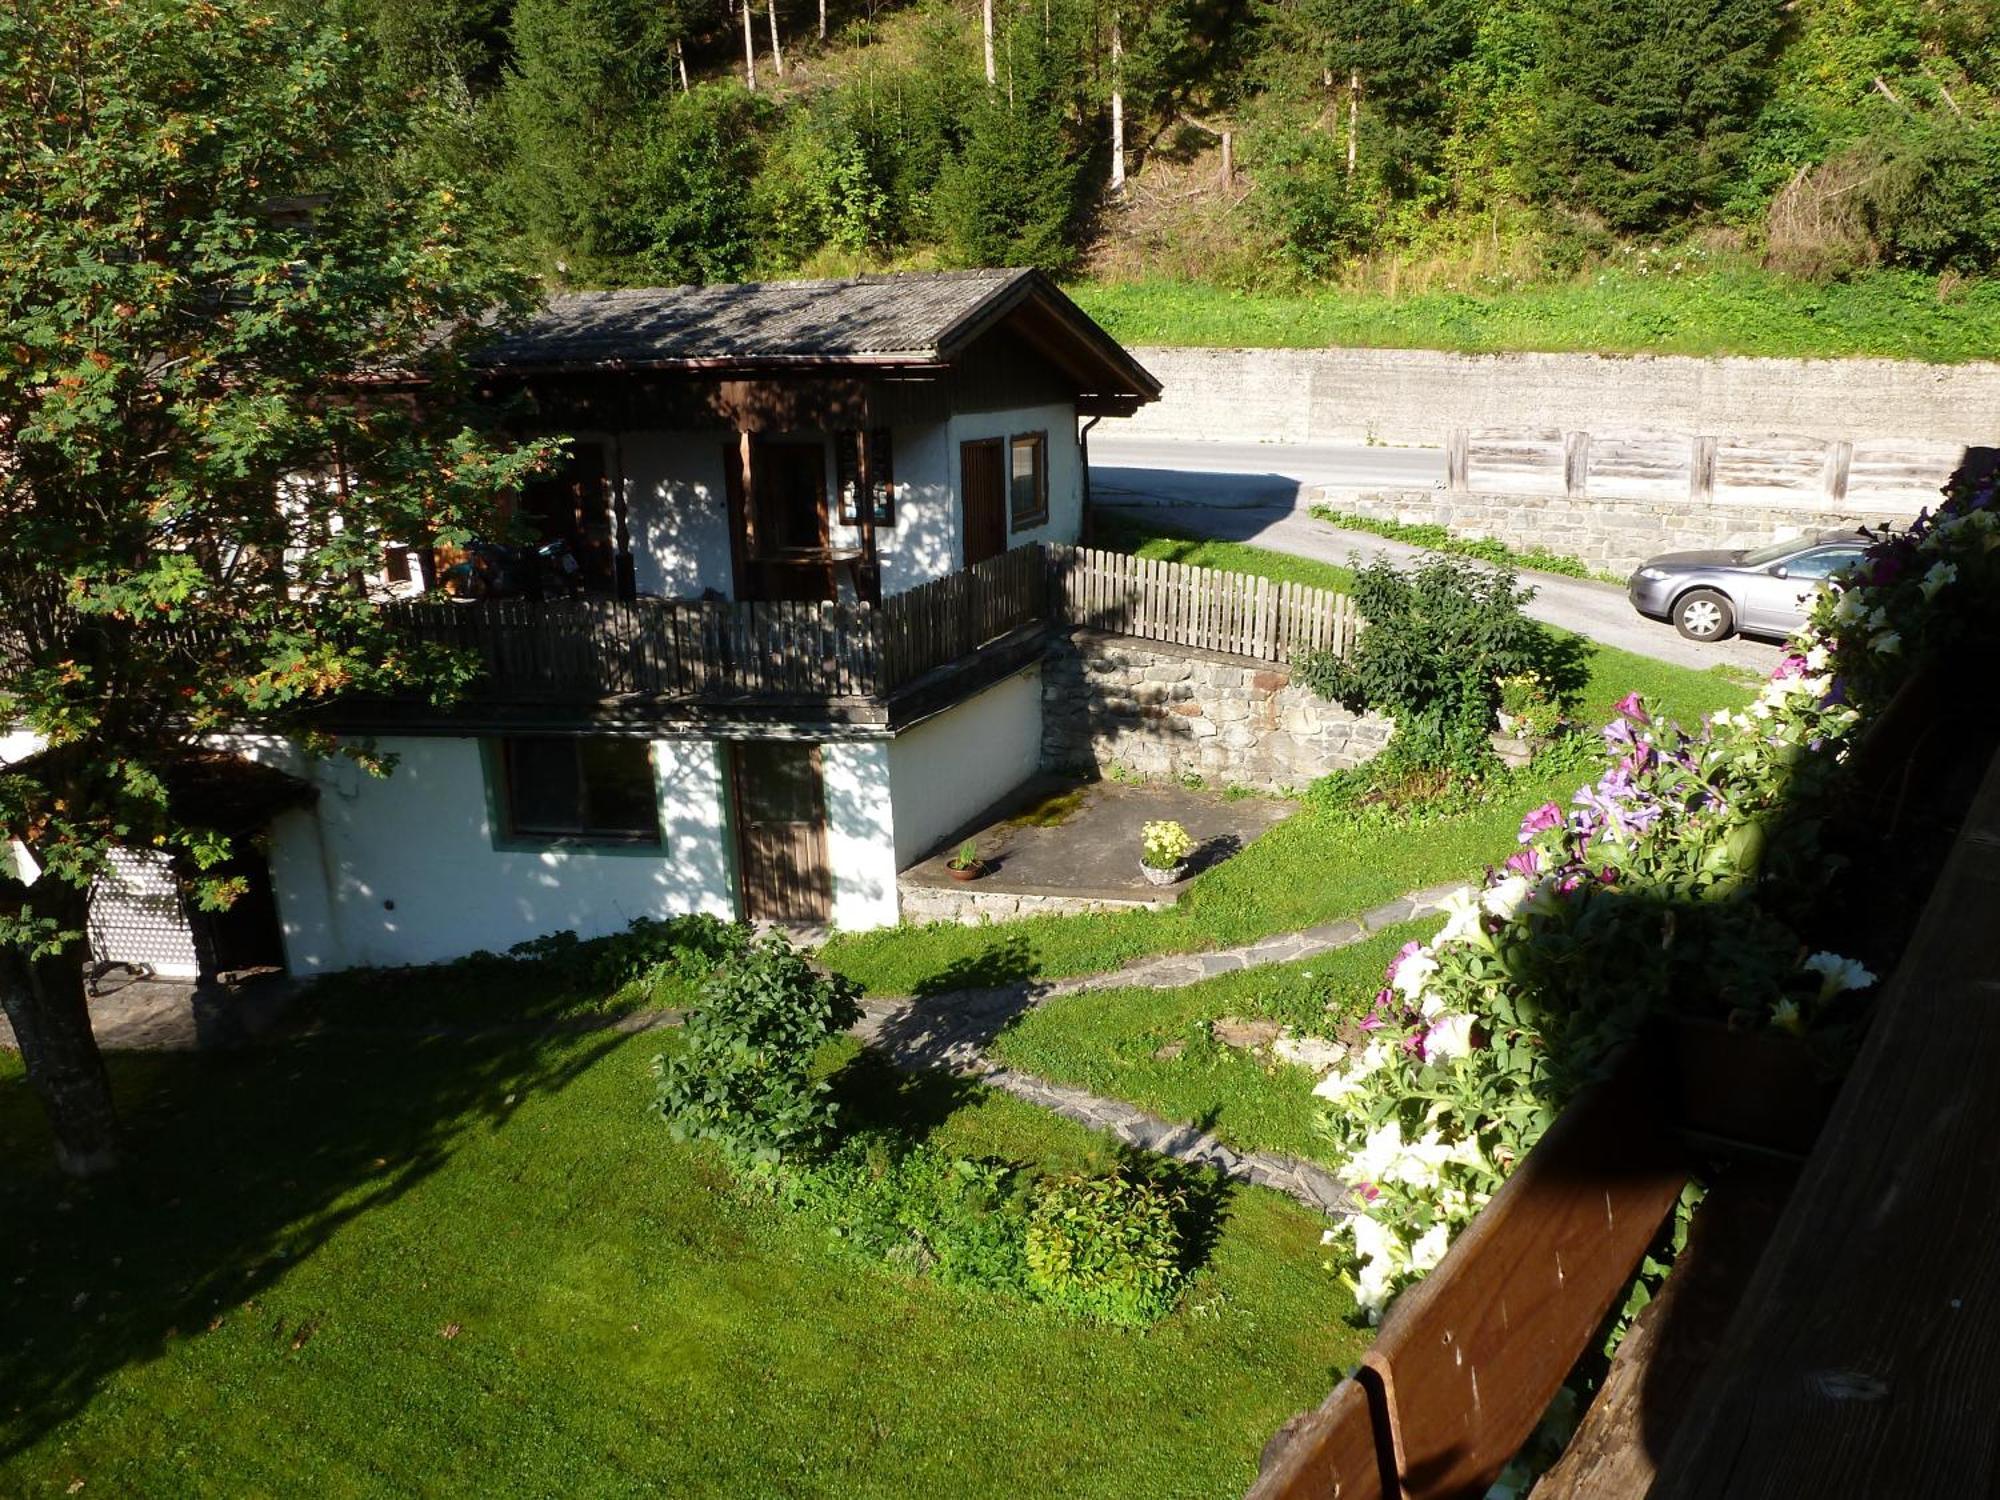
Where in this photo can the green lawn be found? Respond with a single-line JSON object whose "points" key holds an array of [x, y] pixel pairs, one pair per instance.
{"points": [[1902, 315], [1121, 532], [1315, 867], [338, 1268], [1112, 1042]]}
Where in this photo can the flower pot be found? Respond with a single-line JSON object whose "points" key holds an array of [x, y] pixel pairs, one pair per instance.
{"points": [[1163, 877], [967, 872]]}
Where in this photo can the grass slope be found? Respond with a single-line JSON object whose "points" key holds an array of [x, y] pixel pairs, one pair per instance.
{"points": [[1889, 313], [1153, 1048], [445, 1268]]}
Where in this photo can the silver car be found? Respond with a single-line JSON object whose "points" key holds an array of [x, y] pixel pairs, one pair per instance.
{"points": [[1770, 591]]}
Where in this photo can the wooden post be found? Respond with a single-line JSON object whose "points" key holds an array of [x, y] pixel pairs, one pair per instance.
{"points": [[1701, 472], [1458, 460], [1228, 158], [1576, 464], [1839, 461], [870, 581]]}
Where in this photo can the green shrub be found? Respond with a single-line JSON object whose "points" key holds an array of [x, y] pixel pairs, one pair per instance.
{"points": [[1438, 639], [745, 1078], [1106, 1248], [919, 1209], [652, 948]]}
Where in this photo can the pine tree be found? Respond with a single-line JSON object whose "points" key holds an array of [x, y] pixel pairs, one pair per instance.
{"points": [[1645, 104]]}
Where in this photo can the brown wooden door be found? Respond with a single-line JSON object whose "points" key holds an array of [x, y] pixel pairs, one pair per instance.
{"points": [[982, 476], [781, 832], [791, 522]]}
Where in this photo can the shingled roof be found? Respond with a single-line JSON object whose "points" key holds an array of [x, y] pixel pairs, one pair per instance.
{"points": [[911, 319]]}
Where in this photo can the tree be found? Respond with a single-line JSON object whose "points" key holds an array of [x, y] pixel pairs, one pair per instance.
{"points": [[191, 488], [1645, 105]]}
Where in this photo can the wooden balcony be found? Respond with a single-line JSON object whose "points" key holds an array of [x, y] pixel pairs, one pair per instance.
{"points": [[844, 663]]}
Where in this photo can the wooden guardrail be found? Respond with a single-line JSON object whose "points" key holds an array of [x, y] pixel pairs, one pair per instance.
{"points": [[1207, 608], [1468, 1359], [723, 651]]}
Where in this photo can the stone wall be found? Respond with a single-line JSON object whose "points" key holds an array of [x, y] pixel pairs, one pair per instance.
{"points": [[1419, 395], [970, 906], [1612, 535], [1173, 711]]}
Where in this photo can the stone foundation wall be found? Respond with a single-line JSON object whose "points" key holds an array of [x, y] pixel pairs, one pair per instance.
{"points": [[1163, 710], [970, 906], [1615, 535]]}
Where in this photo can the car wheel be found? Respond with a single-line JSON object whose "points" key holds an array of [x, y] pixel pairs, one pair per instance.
{"points": [[1704, 615]]}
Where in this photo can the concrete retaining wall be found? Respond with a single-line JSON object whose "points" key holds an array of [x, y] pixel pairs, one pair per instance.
{"points": [[969, 907], [1614, 536], [1164, 710], [1418, 395]]}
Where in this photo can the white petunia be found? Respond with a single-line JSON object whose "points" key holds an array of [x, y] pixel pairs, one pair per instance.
{"points": [[1818, 659], [1838, 974], [1889, 642], [1785, 1016], [1430, 1247], [1462, 923], [1412, 974], [1506, 896], [1449, 1037], [1938, 577], [1852, 607]]}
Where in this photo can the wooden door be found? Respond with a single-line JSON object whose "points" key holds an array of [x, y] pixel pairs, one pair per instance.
{"points": [[781, 832], [982, 477], [791, 522]]}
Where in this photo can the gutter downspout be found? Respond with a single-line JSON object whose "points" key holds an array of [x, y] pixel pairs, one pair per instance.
{"points": [[1083, 451]]}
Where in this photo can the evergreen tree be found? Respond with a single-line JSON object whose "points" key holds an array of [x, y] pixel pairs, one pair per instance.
{"points": [[1645, 105]]}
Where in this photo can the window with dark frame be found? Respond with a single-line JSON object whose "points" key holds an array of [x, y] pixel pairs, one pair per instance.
{"points": [[594, 789], [1028, 479], [882, 476]]}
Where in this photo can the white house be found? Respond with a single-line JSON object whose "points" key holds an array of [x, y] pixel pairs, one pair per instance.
{"points": [[809, 651]]}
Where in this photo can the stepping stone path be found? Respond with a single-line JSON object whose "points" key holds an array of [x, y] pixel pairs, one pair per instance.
{"points": [[952, 1031]]}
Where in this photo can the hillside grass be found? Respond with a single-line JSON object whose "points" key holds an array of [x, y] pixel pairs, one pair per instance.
{"points": [[484, 1269], [1892, 314]]}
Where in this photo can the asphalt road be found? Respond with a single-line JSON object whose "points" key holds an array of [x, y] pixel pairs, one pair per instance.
{"points": [[1152, 469], [1232, 503]]}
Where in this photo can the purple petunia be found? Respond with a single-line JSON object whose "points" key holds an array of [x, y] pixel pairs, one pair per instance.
{"points": [[1632, 706], [1543, 818], [1525, 862]]}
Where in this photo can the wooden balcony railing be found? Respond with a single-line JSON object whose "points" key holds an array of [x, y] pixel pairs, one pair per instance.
{"points": [[714, 652]]}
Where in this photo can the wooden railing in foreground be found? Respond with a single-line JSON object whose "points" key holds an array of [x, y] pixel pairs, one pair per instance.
{"points": [[1468, 1360], [725, 651], [1207, 608]]}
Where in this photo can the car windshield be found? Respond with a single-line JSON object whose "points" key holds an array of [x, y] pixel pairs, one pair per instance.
{"points": [[1776, 552]]}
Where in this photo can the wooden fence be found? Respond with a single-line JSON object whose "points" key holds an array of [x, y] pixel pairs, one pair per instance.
{"points": [[719, 652], [1206, 608]]}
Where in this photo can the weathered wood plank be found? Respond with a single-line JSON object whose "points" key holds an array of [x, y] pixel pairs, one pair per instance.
{"points": [[1862, 1360], [1329, 1453]]}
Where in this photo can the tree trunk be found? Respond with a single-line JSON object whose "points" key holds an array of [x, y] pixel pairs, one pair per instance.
{"points": [[986, 33], [1117, 107], [50, 1014], [822, 20], [777, 57], [681, 62], [749, 50], [1353, 115]]}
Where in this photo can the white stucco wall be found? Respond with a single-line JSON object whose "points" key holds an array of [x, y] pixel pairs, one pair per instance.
{"points": [[676, 511], [949, 769], [1065, 521], [403, 869], [860, 841], [924, 542]]}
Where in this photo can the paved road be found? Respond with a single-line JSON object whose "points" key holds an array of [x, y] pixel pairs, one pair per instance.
{"points": [[1153, 469], [1596, 610]]}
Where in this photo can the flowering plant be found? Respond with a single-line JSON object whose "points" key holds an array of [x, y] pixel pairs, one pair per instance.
{"points": [[1165, 845], [1670, 882]]}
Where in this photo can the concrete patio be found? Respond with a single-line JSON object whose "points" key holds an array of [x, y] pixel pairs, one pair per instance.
{"points": [[1061, 845]]}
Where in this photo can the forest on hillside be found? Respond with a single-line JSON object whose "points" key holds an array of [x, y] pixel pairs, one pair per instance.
{"points": [[1248, 143]]}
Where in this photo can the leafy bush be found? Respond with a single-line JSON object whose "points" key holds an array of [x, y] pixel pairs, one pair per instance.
{"points": [[745, 1079], [1441, 539], [1438, 639], [688, 947], [920, 1209], [1106, 1248]]}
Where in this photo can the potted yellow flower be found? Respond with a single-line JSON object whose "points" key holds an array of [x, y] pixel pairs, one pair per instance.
{"points": [[1164, 850]]}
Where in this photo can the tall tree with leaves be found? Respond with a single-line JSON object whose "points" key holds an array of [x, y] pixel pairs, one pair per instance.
{"points": [[1645, 105], [189, 489]]}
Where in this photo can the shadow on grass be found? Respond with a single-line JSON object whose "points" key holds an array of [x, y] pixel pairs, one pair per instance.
{"points": [[1007, 961], [238, 1167]]}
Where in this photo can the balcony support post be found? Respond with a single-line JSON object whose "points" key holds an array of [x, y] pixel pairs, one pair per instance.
{"points": [[868, 585]]}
